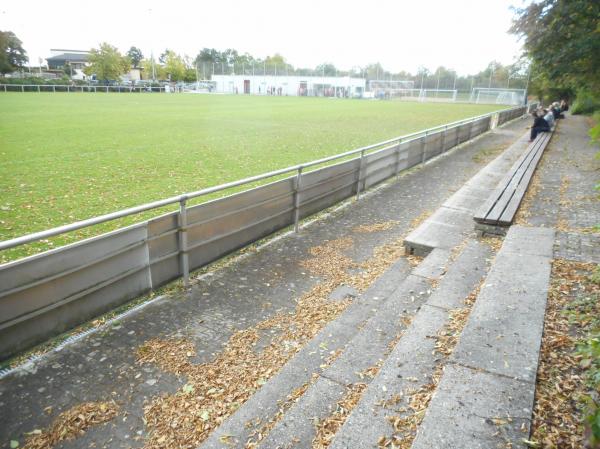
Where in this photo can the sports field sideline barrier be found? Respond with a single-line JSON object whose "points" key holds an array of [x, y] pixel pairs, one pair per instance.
{"points": [[75, 88], [48, 293]]}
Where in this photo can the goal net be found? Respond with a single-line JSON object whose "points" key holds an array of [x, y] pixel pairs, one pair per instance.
{"points": [[438, 94], [407, 94], [389, 88], [498, 96], [425, 94], [203, 86]]}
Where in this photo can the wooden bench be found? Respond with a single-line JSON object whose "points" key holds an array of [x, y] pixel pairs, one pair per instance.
{"points": [[499, 210]]}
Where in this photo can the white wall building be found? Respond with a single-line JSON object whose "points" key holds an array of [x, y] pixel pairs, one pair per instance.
{"points": [[319, 86]]}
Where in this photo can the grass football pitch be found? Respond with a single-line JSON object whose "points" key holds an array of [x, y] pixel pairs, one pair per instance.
{"points": [[67, 157]]}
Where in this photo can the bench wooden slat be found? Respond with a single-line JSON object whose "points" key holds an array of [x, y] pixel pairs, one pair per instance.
{"points": [[511, 210], [517, 179], [501, 206], [485, 211]]}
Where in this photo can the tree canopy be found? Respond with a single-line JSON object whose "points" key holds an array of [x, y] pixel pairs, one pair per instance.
{"points": [[562, 39], [12, 54], [135, 55], [107, 63]]}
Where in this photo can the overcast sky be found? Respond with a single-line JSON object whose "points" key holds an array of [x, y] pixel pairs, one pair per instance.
{"points": [[460, 34]]}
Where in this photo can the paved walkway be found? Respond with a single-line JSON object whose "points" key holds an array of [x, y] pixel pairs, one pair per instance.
{"points": [[562, 193]]}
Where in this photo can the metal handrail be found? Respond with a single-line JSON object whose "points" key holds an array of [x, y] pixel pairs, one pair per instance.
{"points": [[186, 196]]}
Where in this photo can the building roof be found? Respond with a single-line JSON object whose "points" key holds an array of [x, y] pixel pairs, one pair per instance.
{"points": [[73, 57], [68, 51]]}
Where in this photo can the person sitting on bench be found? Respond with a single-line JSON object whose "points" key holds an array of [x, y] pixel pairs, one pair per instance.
{"points": [[549, 117], [556, 111], [539, 125]]}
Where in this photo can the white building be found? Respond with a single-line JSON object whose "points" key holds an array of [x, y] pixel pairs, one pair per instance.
{"points": [[318, 86]]}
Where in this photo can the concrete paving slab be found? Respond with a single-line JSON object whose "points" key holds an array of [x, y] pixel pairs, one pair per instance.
{"points": [[432, 235], [301, 420], [434, 265], [476, 410], [504, 330], [467, 271], [369, 346], [387, 283], [530, 240], [578, 246], [467, 199], [450, 216], [408, 367]]}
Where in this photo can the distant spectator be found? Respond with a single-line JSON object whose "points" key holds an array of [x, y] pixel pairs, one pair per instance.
{"points": [[539, 125], [564, 106]]}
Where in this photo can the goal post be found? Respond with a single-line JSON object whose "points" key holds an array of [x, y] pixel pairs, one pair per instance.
{"points": [[438, 94], [390, 88], [484, 95]]}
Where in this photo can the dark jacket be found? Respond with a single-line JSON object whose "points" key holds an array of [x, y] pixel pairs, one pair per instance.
{"points": [[539, 122], [556, 113]]}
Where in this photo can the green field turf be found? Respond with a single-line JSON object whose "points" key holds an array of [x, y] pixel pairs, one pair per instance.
{"points": [[67, 157]]}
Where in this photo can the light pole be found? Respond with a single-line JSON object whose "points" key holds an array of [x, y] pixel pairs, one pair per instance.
{"points": [[153, 69]]}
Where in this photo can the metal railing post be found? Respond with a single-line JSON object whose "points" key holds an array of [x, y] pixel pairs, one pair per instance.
{"points": [[360, 167], [183, 244], [424, 147], [297, 199], [397, 168], [444, 139]]}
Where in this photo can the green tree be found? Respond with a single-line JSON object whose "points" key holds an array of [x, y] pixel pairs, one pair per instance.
{"points": [[135, 55], [12, 54], [174, 66], [148, 66], [562, 38], [327, 69], [107, 63], [208, 56]]}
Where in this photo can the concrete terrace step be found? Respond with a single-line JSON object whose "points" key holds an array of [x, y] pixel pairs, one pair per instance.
{"points": [[265, 403], [450, 224], [368, 348], [413, 361], [485, 396]]}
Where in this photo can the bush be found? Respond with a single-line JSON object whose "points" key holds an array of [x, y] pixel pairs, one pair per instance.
{"points": [[595, 131], [585, 103]]}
